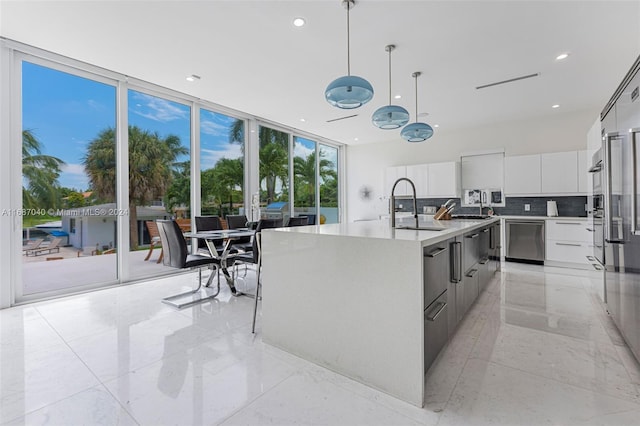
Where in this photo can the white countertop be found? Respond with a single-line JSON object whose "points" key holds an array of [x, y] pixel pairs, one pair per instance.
{"points": [[381, 229], [543, 217]]}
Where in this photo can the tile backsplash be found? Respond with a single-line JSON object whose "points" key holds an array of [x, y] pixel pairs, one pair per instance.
{"points": [[567, 206]]}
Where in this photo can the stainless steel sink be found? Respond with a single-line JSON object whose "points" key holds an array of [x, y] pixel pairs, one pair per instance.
{"points": [[470, 216], [421, 228]]}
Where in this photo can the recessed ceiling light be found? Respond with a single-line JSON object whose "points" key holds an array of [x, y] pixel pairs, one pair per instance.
{"points": [[355, 139], [193, 77], [299, 22], [562, 56], [555, 106], [303, 120], [436, 125], [397, 96], [423, 114]]}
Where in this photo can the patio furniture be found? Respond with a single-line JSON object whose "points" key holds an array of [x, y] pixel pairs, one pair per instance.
{"points": [[154, 236], [184, 224], [31, 245], [176, 255], [53, 245]]}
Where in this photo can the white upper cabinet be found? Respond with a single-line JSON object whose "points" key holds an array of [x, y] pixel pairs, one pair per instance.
{"points": [[419, 175], [560, 173], [436, 180], [443, 180], [522, 175], [584, 178], [390, 176], [482, 171]]}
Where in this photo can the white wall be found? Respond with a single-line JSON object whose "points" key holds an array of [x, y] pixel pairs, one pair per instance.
{"points": [[366, 163]]}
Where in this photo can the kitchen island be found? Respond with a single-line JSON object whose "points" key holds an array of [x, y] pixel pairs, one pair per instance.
{"points": [[350, 297]]}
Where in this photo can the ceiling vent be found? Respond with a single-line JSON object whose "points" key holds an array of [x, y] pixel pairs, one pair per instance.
{"points": [[341, 118], [511, 80]]}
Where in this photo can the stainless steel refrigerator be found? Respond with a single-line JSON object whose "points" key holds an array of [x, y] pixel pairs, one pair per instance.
{"points": [[621, 148]]}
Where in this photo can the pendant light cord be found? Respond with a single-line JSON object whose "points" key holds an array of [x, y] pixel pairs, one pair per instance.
{"points": [[348, 40], [416, 75], [390, 49]]}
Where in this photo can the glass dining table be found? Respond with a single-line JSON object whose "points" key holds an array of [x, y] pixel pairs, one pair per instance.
{"points": [[225, 256]]}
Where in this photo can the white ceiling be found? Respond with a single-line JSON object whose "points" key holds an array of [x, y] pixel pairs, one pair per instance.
{"points": [[252, 59]]}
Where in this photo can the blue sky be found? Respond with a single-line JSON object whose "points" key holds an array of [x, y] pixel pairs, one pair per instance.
{"points": [[66, 112]]}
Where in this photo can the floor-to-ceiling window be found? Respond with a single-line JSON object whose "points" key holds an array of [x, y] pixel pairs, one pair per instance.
{"points": [[159, 169], [304, 176], [76, 171], [67, 222], [221, 164], [274, 172], [328, 179]]}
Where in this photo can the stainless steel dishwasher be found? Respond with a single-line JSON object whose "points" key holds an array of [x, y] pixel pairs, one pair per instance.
{"points": [[525, 240]]}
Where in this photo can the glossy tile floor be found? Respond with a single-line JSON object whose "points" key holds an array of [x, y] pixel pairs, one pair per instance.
{"points": [[536, 348]]}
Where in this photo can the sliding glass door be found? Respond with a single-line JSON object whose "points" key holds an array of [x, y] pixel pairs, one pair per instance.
{"points": [[221, 164], [67, 223]]}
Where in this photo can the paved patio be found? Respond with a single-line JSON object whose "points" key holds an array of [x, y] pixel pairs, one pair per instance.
{"points": [[63, 270]]}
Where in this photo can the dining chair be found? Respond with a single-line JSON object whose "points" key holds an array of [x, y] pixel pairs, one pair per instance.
{"points": [[235, 222], [176, 255], [255, 257], [209, 223], [298, 221]]}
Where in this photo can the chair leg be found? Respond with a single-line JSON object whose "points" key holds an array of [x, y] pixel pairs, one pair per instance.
{"points": [[255, 306], [171, 300], [161, 255], [150, 251]]}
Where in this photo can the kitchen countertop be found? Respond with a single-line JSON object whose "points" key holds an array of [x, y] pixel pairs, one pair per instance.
{"points": [[543, 217], [381, 229]]}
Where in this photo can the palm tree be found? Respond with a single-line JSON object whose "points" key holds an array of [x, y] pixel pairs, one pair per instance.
{"points": [[304, 170], [179, 192], [274, 155], [40, 173], [151, 159], [223, 182]]}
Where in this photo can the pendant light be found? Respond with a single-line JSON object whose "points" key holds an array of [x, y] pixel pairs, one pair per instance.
{"points": [[390, 116], [416, 132], [349, 91]]}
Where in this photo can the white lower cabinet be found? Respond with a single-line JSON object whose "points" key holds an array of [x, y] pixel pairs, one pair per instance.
{"points": [[567, 241]]}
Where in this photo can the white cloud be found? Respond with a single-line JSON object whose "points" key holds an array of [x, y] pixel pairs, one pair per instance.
{"points": [[300, 150], [214, 129], [209, 157], [159, 109], [74, 176]]}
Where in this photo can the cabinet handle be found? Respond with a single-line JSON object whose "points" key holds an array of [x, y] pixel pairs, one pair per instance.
{"points": [[455, 272], [484, 261], [485, 230], [472, 236], [634, 182], [472, 273], [438, 308], [597, 267], [569, 244], [590, 229], [568, 223], [436, 252]]}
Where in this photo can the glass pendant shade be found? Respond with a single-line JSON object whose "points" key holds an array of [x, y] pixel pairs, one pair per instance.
{"points": [[390, 117], [417, 132], [348, 92]]}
